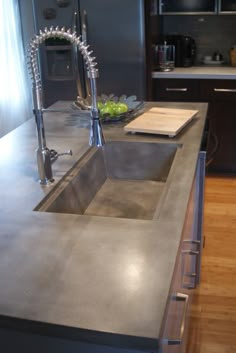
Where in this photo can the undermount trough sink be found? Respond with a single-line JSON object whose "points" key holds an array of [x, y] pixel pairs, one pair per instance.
{"points": [[121, 179]]}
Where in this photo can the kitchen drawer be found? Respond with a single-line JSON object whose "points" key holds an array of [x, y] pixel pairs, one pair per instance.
{"points": [[175, 90], [215, 90]]}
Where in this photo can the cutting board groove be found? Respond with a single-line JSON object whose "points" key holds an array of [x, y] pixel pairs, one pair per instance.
{"points": [[164, 121]]}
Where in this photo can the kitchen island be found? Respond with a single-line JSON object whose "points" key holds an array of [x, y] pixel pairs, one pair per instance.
{"points": [[79, 283]]}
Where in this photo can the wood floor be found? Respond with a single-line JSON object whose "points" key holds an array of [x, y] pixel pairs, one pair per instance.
{"points": [[213, 314]]}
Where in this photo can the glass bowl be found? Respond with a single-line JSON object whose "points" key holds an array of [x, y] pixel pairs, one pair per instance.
{"points": [[133, 107]]}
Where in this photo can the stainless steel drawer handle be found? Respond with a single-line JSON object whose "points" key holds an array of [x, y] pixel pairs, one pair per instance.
{"points": [[183, 298], [225, 90], [193, 274], [176, 89], [192, 241]]}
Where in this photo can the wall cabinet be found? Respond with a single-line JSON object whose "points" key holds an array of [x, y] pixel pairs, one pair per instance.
{"points": [[227, 6], [187, 271], [182, 7], [186, 7]]}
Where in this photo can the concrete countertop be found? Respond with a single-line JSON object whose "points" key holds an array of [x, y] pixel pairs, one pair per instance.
{"points": [[199, 72], [99, 279]]}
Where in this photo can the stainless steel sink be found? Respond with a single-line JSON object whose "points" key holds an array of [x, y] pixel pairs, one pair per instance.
{"points": [[121, 179]]}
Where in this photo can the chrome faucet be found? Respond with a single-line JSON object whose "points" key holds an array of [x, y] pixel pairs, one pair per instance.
{"points": [[46, 157]]}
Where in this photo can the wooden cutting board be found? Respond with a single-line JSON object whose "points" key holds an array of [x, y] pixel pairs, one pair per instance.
{"points": [[164, 121]]}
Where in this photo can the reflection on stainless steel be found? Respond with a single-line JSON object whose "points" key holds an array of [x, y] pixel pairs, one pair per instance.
{"points": [[45, 157], [76, 57]]}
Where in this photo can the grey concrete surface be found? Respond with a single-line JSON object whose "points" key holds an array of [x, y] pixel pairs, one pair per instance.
{"points": [[121, 179], [99, 279]]}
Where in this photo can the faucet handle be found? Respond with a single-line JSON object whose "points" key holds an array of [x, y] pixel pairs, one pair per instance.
{"points": [[69, 152], [54, 155]]}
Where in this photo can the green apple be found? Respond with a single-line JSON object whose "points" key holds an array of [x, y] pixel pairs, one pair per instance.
{"points": [[100, 105], [106, 110], [110, 104], [120, 108]]}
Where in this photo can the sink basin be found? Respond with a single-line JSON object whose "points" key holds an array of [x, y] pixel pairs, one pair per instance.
{"points": [[121, 179]]}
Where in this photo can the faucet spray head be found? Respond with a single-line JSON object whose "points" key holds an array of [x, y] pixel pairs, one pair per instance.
{"points": [[96, 135]]}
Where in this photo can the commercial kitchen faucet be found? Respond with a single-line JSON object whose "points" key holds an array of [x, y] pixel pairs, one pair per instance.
{"points": [[45, 156]]}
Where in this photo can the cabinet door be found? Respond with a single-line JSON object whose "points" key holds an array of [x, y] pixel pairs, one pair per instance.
{"points": [[222, 138], [193, 230], [168, 7], [227, 6], [187, 269], [175, 324]]}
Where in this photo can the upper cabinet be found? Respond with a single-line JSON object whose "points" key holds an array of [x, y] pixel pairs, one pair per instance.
{"points": [[227, 7], [195, 7], [188, 7]]}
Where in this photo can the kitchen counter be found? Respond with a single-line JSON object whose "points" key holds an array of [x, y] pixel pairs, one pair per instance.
{"points": [[199, 72], [102, 280]]}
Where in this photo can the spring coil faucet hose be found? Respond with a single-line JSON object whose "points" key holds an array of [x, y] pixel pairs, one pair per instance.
{"points": [[96, 134]]}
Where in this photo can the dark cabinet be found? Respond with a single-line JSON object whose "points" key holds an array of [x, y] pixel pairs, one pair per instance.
{"points": [[221, 95], [185, 7], [227, 6], [222, 138], [221, 122], [168, 7], [217, 90], [175, 90]]}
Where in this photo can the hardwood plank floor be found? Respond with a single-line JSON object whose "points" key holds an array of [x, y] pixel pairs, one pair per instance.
{"points": [[213, 312]]}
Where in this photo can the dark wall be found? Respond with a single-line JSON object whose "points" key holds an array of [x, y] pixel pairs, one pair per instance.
{"points": [[212, 33]]}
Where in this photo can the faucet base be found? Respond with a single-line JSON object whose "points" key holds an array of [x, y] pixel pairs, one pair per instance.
{"points": [[44, 166], [96, 135], [46, 181]]}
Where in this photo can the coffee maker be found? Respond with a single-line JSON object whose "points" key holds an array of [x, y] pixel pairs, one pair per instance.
{"points": [[185, 49]]}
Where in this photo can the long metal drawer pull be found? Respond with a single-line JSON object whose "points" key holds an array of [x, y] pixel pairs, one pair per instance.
{"points": [[176, 89], [191, 274], [183, 298], [225, 90], [191, 241]]}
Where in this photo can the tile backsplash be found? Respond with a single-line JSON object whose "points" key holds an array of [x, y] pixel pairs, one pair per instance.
{"points": [[211, 33]]}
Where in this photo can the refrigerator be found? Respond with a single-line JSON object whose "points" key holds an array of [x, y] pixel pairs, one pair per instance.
{"points": [[116, 31]]}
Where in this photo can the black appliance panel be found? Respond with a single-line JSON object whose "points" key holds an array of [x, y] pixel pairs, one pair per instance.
{"points": [[185, 49]]}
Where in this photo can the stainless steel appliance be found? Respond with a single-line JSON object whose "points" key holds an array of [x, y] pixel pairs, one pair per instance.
{"points": [[116, 33], [185, 49]]}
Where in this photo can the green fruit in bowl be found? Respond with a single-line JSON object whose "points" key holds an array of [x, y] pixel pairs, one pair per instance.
{"points": [[112, 108], [110, 104], [121, 108], [106, 110], [100, 105]]}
